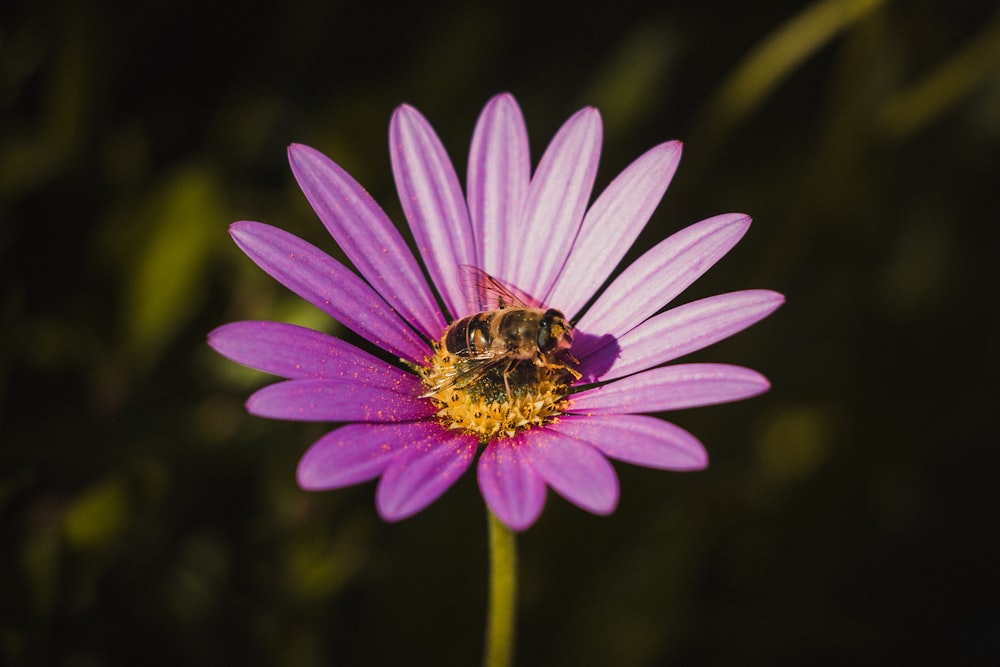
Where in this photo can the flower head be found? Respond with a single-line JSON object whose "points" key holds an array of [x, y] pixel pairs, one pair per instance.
{"points": [[515, 368]]}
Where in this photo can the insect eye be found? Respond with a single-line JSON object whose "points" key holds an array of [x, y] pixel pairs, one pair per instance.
{"points": [[549, 331], [546, 343]]}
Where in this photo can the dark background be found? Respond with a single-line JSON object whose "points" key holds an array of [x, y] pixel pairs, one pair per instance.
{"points": [[848, 517]]}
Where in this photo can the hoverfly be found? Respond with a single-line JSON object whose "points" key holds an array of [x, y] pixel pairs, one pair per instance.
{"points": [[513, 336]]}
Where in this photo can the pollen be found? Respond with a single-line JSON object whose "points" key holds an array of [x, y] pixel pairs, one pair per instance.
{"points": [[498, 401]]}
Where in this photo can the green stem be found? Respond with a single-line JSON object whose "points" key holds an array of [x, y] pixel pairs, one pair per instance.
{"points": [[503, 594]]}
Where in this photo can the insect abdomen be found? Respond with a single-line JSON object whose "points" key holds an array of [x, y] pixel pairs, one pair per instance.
{"points": [[469, 336]]}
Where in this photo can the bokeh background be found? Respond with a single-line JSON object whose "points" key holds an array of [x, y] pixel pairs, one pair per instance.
{"points": [[848, 516]]}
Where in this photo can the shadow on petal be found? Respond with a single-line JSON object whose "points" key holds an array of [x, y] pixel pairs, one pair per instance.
{"points": [[602, 351]]}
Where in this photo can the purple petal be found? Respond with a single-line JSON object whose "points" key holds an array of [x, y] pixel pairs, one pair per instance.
{"points": [[334, 401], [638, 439], [367, 237], [498, 178], [298, 353], [661, 274], [328, 285], [557, 198], [431, 463], [353, 454], [514, 492], [671, 388], [577, 471], [433, 203], [680, 331], [612, 224]]}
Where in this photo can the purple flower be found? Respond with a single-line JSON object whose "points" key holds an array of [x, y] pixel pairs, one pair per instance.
{"points": [[534, 233]]}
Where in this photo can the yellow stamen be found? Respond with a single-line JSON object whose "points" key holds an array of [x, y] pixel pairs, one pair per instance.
{"points": [[484, 407]]}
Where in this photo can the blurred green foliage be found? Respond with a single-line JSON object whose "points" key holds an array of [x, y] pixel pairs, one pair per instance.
{"points": [[847, 515]]}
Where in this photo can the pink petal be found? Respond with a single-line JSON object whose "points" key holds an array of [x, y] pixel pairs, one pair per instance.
{"points": [[429, 465], [680, 331], [612, 225], [638, 439], [659, 275], [354, 454], [368, 238], [297, 353], [514, 492], [328, 285], [577, 471], [671, 388], [498, 178], [557, 198], [433, 202], [334, 401]]}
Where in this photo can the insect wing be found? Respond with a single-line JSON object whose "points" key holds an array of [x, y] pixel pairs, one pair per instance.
{"points": [[488, 293], [465, 372]]}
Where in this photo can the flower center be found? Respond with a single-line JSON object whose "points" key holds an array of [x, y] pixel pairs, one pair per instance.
{"points": [[495, 399]]}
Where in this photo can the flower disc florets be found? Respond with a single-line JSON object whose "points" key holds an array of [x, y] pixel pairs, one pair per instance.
{"points": [[498, 402]]}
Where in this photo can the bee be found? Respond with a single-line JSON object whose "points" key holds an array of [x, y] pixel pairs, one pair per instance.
{"points": [[515, 337]]}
